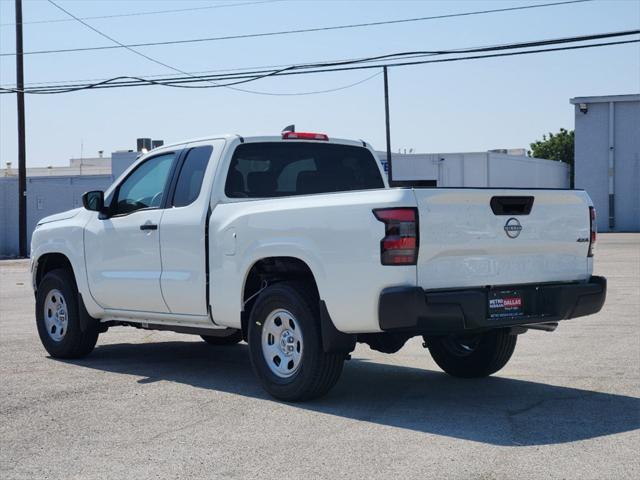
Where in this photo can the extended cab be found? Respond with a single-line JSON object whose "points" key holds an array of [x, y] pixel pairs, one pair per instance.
{"points": [[297, 245]]}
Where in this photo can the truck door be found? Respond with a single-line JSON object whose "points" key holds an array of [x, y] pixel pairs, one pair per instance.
{"points": [[182, 243], [123, 251]]}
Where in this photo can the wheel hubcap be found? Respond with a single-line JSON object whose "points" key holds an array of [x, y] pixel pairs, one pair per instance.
{"points": [[282, 343], [55, 315]]}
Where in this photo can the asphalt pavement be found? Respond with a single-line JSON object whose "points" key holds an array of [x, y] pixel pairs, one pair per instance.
{"points": [[150, 404]]}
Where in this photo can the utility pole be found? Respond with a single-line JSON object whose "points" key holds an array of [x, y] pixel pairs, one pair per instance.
{"points": [[386, 115], [22, 168]]}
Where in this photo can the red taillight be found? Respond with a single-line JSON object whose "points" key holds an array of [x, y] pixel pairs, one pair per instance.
{"points": [[593, 228], [400, 243], [304, 136]]}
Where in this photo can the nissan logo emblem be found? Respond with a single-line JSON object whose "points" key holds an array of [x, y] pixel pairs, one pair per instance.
{"points": [[512, 228]]}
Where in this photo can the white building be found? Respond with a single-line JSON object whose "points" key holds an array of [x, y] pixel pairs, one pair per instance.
{"points": [[477, 169], [77, 166], [52, 190]]}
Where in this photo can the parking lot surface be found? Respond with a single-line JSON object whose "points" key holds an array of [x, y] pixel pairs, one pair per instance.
{"points": [[151, 404]]}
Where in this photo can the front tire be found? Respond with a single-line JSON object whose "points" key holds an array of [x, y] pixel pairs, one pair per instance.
{"points": [[58, 317], [472, 356], [285, 344]]}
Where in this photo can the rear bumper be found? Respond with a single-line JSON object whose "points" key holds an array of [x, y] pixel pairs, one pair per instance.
{"points": [[411, 309]]}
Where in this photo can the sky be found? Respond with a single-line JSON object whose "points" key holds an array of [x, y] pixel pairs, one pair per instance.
{"points": [[448, 107]]}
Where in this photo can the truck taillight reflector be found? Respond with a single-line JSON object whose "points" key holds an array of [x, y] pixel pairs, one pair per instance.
{"points": [[400, 243], [593, 231], [304, 136]]}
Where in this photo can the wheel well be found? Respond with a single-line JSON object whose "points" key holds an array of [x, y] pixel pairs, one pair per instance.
{"points": [[51, 261], [272, 270]]}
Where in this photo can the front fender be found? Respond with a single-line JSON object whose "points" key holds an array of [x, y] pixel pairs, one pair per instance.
{"points": [[65, 237]]}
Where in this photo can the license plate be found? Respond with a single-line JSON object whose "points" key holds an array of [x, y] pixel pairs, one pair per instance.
{"points": [[506, 303]]}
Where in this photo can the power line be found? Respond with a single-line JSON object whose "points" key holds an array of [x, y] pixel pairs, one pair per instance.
{"points": [[394, 56], [227, 85], [154, 60], [143, 82], [246, 77], [261, 68], [231, 85], [316, 92], [138, 14], [199, 79], [200, 72], [299, 31], [160, 75], [247, 72], [180, 84], [155, 75]]}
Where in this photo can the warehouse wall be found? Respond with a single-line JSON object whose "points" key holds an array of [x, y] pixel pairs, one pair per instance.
{"points": [[523, 172], [483, 169], [45, 196], [592, 161], [627, 173], [8, 217]]}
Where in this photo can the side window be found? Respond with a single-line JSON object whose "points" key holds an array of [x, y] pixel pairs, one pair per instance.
{"points": [[191, 176], [145, 186]]}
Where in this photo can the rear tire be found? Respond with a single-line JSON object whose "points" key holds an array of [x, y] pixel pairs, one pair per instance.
{"points": [[285, 344], [58, 317], [232, 339], [472, 356]]}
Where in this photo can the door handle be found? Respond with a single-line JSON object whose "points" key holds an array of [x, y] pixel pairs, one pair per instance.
{"points": [[148, 226]]}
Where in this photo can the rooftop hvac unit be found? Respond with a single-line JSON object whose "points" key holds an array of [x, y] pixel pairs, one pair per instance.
{"points": [[143, 144]]}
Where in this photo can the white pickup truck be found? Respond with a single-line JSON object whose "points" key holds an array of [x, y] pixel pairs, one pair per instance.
{"points": [[296, 245]]}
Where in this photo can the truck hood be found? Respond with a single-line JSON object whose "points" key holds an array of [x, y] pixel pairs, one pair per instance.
{"points": [[60, 216]]}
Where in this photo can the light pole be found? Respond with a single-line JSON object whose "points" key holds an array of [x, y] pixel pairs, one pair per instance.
{"points": [[388, 130]]}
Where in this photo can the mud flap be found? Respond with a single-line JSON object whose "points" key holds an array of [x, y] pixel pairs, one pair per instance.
{"points": [[333, 340]]}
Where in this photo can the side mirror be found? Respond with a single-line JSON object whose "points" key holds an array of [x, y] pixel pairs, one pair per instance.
{"points": [[94, 201]]}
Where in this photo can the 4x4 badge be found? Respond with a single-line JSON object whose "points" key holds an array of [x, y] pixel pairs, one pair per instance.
{"points": [[512, 228]]}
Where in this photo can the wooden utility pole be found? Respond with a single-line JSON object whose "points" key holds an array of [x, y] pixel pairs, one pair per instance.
{"points": [[386, 115], [22, 168]]}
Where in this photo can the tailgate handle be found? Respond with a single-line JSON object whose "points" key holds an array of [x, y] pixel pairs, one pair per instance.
{"points": [[511, 205]]}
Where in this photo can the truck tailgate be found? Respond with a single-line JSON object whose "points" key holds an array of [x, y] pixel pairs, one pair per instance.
{"points": [[479, 237]]}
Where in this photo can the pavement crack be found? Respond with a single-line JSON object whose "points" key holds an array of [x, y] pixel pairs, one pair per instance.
{"points": [[520, 411]]}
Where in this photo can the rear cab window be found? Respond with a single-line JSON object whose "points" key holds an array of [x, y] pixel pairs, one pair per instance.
{"points": [[280, 169]]}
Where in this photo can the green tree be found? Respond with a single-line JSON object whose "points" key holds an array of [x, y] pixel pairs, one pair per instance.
{"points": [[558, 146]]}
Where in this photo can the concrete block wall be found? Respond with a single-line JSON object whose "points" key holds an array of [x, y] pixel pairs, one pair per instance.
{"points": [[45, 196]]}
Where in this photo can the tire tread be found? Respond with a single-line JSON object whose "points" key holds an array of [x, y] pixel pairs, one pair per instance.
{"points": [[493, 354], [79, 343], [327, 367]]}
